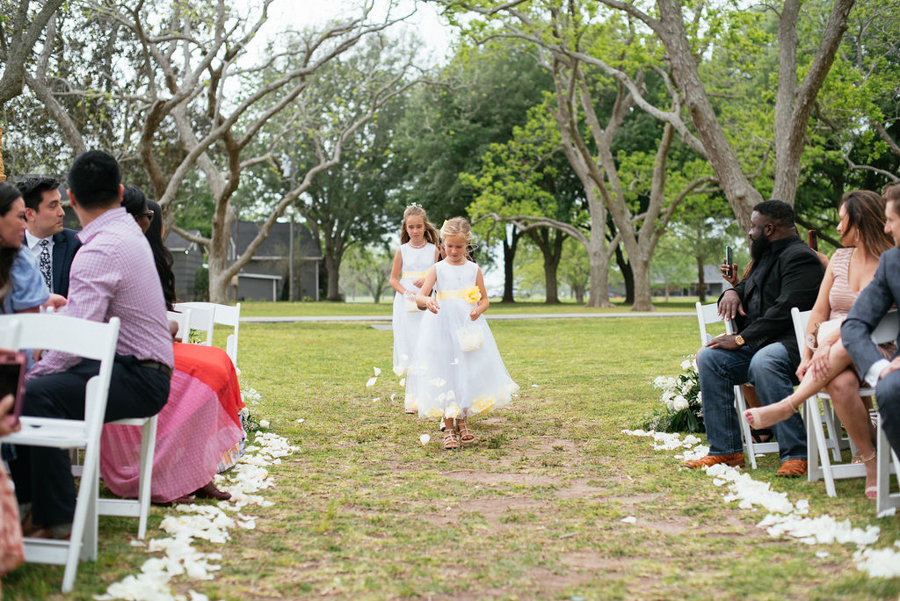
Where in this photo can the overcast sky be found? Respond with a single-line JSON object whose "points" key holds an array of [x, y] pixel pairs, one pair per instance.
{"points": [[425, 22]]}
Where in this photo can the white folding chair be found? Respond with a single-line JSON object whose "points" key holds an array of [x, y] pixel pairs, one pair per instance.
{"points": [[706, 315], [814, 415], [91, 340], [225, 315], [201, 318], [183, 319], [887, 461], [140, 507]]}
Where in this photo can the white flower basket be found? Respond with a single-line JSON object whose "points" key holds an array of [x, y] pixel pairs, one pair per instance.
{"points": [[409, 301], [470, 338]]}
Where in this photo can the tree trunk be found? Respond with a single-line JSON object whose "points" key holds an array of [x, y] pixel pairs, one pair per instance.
{"points": [[550, 267], [627, 274], [741, 194], [579, 293], [642, 299], [509, 256], [333, 267], [219, 278], [550, 242], [599, 269]]}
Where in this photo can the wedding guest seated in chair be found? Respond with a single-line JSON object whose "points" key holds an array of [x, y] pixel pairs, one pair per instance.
{"points": [[868, 310], [112, 275], [825, 363], [785, 273], [201, 421]]}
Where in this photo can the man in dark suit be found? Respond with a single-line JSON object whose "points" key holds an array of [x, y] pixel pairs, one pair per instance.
{"points": [[53, 245], [872, 304], [786, 273]]}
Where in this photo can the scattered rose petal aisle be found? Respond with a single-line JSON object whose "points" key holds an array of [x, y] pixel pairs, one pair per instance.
{"points": [[785, 518], [208, 522]]}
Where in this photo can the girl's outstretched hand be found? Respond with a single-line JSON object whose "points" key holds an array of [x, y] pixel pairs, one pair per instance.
{"points": [[432, 305]]}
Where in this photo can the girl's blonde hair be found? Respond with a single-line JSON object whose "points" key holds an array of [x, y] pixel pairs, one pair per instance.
{"points": [[459, 226], [431, 234]]}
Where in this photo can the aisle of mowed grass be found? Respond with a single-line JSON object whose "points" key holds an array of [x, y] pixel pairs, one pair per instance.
{"points": [[533, 510]]}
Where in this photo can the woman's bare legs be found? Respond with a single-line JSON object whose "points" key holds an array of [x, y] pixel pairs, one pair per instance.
{"points": [[765, 417], [852, 411]]}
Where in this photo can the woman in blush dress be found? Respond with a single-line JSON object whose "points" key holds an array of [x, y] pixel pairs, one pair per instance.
{"points": [[201, 421]]}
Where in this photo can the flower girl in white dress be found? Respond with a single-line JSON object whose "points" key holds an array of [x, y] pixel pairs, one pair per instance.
{"points": [[456, 369], [417, 253]]}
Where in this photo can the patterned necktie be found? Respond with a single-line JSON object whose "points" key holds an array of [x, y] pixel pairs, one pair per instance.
{"points": [[45, 264]]}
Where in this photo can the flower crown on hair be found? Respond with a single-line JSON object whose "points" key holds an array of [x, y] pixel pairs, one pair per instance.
{"points": [[414, 204]]}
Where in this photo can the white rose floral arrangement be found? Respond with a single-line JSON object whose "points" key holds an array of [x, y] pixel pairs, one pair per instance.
{"points": [[681, 409]]}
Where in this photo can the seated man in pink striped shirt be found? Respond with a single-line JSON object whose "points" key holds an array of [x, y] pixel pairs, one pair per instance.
{"points": [[113, 275]]}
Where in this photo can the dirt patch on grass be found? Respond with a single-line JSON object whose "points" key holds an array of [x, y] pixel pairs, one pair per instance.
{"points": [[496, 512], [494, 478], [590, 560], [551, 582]]}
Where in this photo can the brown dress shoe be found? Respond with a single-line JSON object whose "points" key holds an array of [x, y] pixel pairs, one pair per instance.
{"points": [[734, 460], [209, 491], [793, 468]]}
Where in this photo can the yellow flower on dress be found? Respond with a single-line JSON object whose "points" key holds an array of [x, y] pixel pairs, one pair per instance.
{"points": [[472, 295], [435, 413], [483, 404], [452, 412]]}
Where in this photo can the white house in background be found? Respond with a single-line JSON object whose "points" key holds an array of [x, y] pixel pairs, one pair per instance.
{"points": [[267, 275], [188, 259], [712, 277]]}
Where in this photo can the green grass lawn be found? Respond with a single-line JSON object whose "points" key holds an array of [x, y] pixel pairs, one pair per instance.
{"points": [[532, 510], [264, 309]]}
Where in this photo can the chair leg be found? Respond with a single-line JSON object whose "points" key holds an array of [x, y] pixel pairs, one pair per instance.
{"points": [[834, 430], [817, 449], [885, 455], [740, 406], [148, 448]]}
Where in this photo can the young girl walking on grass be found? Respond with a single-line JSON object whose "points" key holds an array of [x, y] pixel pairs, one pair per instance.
{"points": [[456, 369], [417, 253]]}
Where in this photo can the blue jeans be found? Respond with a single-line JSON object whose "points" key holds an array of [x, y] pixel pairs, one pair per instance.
{"points": [[769, 370]]}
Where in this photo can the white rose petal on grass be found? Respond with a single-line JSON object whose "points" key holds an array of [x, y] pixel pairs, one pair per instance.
{"points": [[629, 520], [371, 382], [264, 423], [377, 371], [402, 382], [424, 439], [210, 523], [301, 420]]}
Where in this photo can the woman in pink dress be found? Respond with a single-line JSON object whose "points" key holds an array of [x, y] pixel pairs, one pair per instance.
{"points": [[825, 363], [201, 421]]}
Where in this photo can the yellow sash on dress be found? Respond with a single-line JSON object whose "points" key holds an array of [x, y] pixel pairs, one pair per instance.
{"points": [[448, 294], [411, 275]]}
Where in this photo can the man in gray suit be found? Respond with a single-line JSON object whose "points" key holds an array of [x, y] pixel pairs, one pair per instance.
{"points": [[872, 304], [52, 244]]}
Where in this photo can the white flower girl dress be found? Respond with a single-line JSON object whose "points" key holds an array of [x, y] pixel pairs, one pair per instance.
{"points": [[408, 318], [456, 369]]}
